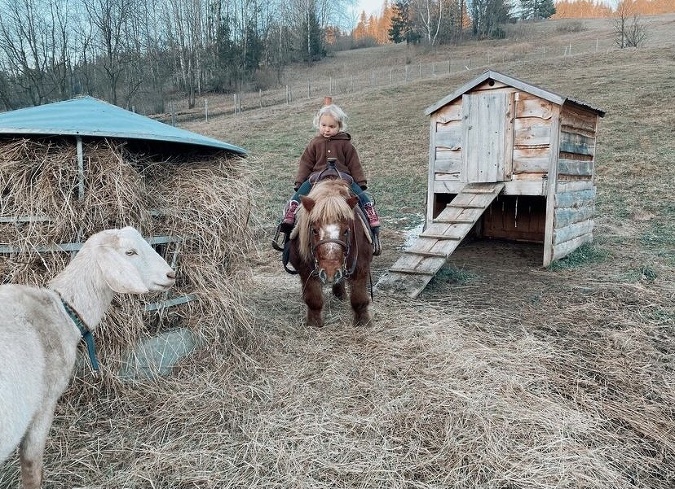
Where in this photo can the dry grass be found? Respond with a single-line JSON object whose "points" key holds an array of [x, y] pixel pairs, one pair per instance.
{"points": [[501, 374]]}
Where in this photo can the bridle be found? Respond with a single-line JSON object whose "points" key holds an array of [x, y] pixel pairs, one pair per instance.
{"points": [[346, 247]]}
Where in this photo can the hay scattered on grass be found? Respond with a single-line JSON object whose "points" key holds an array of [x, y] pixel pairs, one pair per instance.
{"points": [[203, 200]]}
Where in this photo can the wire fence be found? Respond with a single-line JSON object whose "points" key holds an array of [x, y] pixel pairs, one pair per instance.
{"points": [[318, 86]]}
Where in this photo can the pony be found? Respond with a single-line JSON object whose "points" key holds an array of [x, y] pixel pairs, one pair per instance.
{"points": [[331, 245]]}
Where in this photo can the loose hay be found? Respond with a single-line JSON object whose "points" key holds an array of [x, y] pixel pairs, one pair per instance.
{"points": [[202, 200]]}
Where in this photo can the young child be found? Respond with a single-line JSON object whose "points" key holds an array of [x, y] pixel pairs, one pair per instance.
{"points": [[332, 143]]}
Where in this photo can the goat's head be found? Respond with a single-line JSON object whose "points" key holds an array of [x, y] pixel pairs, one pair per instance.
{"points": [[128, 264]]}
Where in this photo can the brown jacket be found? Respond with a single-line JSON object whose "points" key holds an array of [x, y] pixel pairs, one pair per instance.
{"points": [[340, 147]]}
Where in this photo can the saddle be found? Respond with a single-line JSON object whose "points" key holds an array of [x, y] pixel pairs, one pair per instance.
{"points": [[330, 171]]}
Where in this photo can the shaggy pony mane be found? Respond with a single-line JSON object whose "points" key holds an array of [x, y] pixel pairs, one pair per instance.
{"points": [[330, 205]]}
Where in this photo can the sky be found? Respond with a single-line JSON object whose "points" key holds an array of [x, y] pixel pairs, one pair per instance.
{"points": [[370, 6]]}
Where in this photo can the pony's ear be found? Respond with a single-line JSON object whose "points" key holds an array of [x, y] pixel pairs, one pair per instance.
{"points": [[352, 201], [308, 203]]}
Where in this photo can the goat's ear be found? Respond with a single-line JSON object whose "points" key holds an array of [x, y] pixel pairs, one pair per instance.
{"points": [[120, 275]]}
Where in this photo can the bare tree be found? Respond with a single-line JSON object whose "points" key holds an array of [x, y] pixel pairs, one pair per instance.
{"points": [[34, 42], [630, 32], [430, 14], [110, 19]]}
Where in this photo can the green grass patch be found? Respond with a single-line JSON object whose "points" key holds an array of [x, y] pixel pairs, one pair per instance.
{"points": [[449, 275], [587, 254]]}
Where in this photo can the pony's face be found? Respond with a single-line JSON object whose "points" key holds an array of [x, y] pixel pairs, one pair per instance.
{"points": [[330, 236], [331, 244]]}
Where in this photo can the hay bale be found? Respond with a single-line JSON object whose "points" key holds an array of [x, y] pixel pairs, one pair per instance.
{"points": [[202, 200]]}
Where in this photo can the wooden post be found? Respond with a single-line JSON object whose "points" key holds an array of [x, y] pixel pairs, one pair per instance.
{"points": [[206, 110]]}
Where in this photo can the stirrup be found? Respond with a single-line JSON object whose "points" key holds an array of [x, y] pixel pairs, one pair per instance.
{"points": [[278, 244]]}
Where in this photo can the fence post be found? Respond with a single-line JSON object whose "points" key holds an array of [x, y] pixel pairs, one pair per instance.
{"points": [[206, 110], [260, 97]]}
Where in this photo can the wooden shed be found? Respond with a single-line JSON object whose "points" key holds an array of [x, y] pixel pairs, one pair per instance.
{"points": [[506, 160]]}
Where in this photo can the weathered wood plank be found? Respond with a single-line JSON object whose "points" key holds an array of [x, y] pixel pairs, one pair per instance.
{"points": [[575, 199], [402, 284], [449, 113], [565, 217], [575, 167], [531, 132], [574, 185], [431, 247], [531, 106], [443, 177], [576, 144], [573, 231], [576, 121], [447, 186], [448, 164], [449, 139], [531, 159]]}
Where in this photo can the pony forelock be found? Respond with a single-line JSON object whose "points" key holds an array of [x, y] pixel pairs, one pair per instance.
{"points": [[330, 197]]}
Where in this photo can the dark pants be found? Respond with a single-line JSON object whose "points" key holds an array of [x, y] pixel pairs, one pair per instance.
{"points": [[307, 186]]}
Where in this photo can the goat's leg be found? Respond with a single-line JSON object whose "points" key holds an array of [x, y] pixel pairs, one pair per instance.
{"points": [[31, 450]]}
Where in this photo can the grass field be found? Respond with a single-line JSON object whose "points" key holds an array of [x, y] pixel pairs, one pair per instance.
{"points": [[501, 374]]}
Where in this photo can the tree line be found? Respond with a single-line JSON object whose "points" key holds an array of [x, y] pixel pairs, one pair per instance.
{"points": [[447, 21], [140, 54]]}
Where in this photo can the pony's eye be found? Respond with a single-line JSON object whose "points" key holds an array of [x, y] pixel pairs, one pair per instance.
{"points": [[131, 252]]}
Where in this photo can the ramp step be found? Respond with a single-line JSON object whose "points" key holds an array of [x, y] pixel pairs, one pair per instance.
{"points": [[420, 263], [407, 271], [430, 254], [455, 221], [439, 236]]}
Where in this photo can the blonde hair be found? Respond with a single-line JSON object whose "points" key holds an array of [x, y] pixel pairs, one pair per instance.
{"points": [[335, 112]]}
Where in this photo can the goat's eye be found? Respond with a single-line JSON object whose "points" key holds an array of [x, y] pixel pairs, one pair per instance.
{"points": [[131, 252]]}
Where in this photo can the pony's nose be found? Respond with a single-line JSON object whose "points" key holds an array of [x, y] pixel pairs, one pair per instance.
{"points": [[330, 279]]}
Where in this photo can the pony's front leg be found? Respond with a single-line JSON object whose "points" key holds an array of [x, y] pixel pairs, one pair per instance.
{"points": [[312, 294], [360, 302]]}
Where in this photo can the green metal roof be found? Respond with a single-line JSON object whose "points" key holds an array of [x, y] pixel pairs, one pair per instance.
{"points": [[88, 116]]}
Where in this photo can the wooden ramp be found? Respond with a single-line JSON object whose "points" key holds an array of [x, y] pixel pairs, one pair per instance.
{"points": [[425, 257]]}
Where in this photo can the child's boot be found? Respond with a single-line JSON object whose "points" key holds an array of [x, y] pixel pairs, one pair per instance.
{"points": [[288, 220], [371, 214], [374, 222]]}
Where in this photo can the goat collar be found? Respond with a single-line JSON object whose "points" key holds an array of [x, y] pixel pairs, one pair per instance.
{"points": [[86, 333]]}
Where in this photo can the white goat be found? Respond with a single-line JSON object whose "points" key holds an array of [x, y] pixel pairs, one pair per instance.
{"points": [[39, 336]]}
